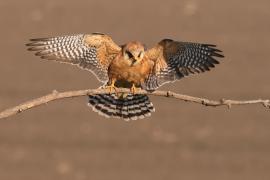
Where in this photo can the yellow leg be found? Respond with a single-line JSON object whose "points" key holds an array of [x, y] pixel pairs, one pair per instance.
{"points": [[111, 86], [133, 89]]}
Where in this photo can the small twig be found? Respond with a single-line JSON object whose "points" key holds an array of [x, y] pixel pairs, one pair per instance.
{"points": [[55, 95]]}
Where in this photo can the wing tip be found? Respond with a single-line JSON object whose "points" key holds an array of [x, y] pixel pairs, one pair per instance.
{"points": [[218, 55], [214, 51], [97, 33], [38, 39], [30, 43], [31, 48], [210, 45]]}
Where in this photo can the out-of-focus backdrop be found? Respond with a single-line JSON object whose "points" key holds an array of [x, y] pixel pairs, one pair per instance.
{"points": [[67, 140]]}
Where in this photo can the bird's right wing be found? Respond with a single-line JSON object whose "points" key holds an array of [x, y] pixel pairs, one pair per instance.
{"points": [[92, 52], [174, 60]]}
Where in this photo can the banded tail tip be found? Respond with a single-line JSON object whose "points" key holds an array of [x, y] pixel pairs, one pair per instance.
{"points": [[132, 107]]}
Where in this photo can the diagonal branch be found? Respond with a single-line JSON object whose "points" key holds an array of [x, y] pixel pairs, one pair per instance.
{"points": [[69, 94]]}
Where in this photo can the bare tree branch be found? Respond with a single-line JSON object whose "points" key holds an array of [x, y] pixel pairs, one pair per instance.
{"points": [[69, 94]]}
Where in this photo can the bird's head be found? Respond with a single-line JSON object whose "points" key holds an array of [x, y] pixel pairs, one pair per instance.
{"points": [[133, 52]]}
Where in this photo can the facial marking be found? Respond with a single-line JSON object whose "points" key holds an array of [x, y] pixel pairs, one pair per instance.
{"points": [[134, 52]]}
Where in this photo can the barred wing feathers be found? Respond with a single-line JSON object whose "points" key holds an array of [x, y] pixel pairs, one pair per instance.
{"points": [[92, 52], [174, 60]]}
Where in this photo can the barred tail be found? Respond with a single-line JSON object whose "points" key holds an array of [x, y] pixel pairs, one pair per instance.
{"points": [[129, 107]]}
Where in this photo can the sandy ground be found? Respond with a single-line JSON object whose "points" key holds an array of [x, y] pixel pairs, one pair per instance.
{"points": [[66, 140]]}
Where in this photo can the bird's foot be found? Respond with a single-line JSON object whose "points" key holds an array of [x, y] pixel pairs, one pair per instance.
{"points": [[111, 88], [133, 89]]}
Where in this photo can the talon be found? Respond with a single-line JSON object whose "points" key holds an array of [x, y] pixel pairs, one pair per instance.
{"points": [[111, 87], [133, 89]]}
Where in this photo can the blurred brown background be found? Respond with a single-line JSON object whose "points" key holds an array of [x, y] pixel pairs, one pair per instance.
{"points": [[66, 140]]}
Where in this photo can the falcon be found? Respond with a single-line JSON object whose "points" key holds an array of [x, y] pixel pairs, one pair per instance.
{"points": [[127, 66]]}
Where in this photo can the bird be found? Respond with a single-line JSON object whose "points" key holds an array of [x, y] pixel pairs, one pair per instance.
{"points": [[131, 65]]}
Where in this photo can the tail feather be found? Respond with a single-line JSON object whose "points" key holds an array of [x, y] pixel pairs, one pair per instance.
{"points": [[131, 107]]}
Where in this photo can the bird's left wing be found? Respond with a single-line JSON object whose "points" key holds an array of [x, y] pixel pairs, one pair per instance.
{"points": [[174, 60], [92, 52]]}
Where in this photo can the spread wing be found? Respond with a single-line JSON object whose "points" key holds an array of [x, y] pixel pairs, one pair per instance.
{"points": [[92, 52], [174, 60]]}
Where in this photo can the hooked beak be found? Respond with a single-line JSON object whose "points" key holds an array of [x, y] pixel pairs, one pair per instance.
{"points": [[136, 57], [135, 60]]}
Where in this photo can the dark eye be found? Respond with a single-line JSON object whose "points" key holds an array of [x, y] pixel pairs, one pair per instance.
{"points": [[129, 54]]}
